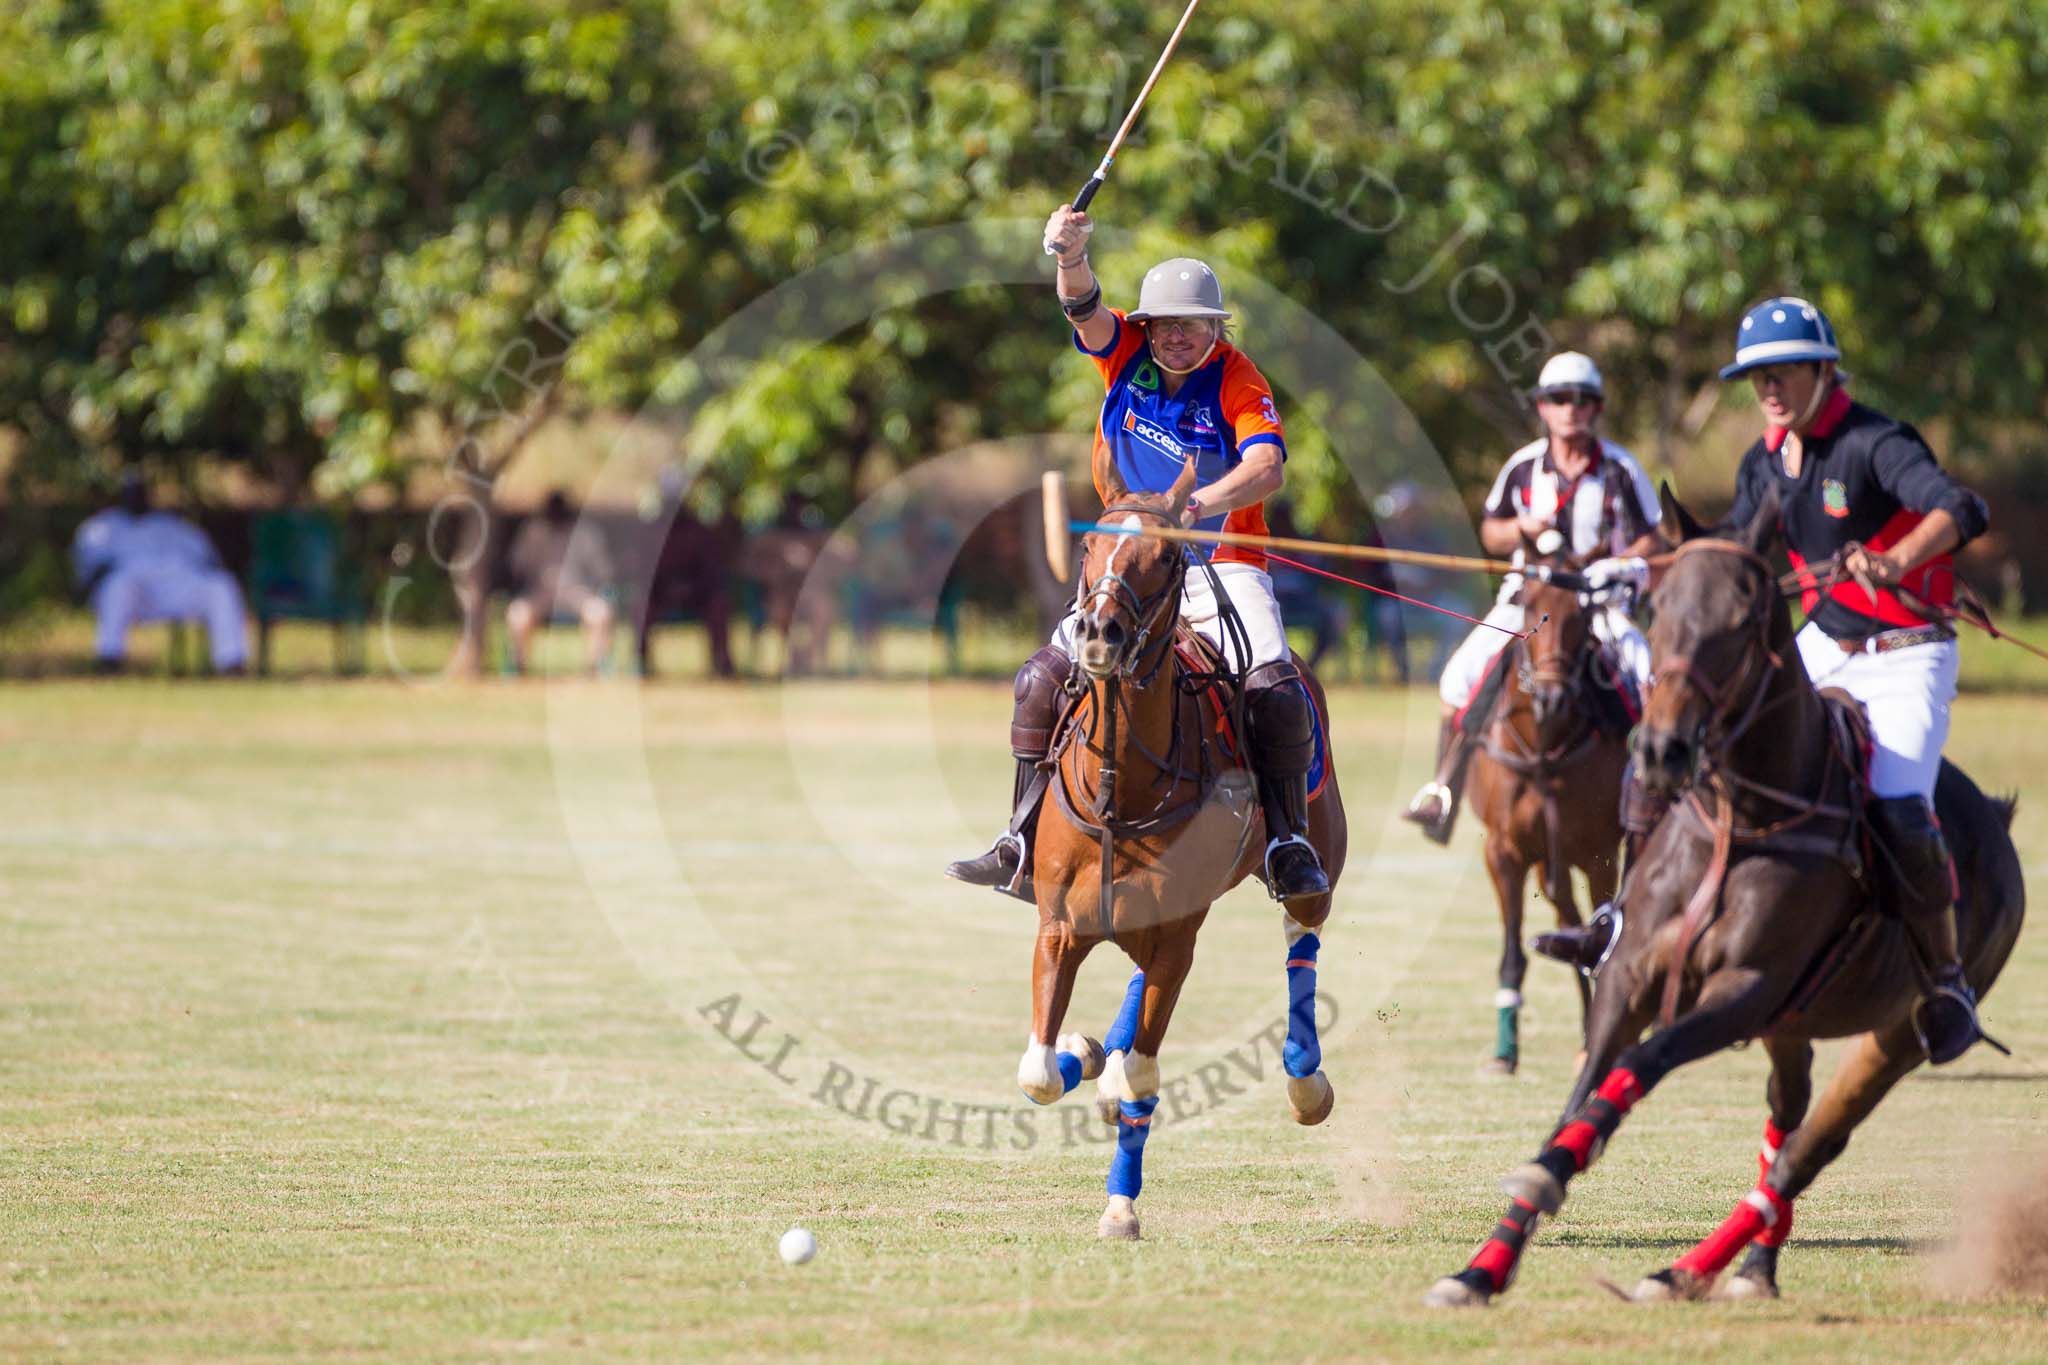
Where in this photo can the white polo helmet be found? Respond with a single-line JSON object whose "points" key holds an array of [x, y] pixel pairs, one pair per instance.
{"points": [[1180, 288], [1569, 370]]}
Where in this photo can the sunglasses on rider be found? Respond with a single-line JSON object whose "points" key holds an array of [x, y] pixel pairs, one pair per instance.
{"points": [[1571, 398]]}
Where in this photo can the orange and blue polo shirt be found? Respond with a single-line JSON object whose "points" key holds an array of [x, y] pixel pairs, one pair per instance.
{"points": [[1222, 410]]}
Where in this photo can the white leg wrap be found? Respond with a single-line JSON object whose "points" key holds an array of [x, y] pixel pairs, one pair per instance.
{"points": [[1038, 1074], [1505, 999], [1293, 929]]}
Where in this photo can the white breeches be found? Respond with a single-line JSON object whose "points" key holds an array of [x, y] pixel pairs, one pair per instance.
{"points": [[1468, 664], [1624, 639], [1907, 694], [1250, 590], [1612, 626], [164, 592]]}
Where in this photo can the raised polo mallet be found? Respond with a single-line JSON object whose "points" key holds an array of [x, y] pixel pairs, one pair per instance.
{"points": [[1102, 171]]}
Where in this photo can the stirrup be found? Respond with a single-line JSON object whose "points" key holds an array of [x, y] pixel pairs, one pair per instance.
{"points": [[1431, 791], [1019, 883], [1961, 995], [1315, 860], [1586, 946]]}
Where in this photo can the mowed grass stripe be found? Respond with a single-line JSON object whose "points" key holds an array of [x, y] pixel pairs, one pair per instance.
{"points": [[315, 1039]]}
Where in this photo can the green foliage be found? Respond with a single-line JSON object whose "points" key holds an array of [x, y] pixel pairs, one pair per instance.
{"points": [[331, 232]]}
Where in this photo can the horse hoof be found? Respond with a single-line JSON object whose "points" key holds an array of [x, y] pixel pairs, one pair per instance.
{"points": [[1119, 1222], [1535, 1184], [1671, 1286], [1087, 1049], [1498, 1068], [1311, 1098], [1747, 1288], [1452, 1292]]}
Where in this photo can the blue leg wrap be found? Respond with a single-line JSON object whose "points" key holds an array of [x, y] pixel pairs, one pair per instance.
{"points": [[1127, 1167], [1124, 1031], [1304, 1052], [1070, 1070]]}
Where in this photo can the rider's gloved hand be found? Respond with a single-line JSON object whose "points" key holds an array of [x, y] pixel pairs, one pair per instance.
{"points": [[1066, 235], [1633, 570]]}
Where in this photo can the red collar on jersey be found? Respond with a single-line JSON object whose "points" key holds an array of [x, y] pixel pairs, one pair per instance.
{"points": [[1831, 414]]}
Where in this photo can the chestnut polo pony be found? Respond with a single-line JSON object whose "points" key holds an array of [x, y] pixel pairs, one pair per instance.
{"points": [[1546, 780], [1152, 818], [1750, 916]]}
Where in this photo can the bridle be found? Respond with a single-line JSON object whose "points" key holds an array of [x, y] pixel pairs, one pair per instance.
{"points": [[1762, 663], [1155, 617], [1146, 613], [1758, 664]]}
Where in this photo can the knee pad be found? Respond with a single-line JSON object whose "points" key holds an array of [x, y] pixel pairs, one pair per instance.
{"points": [[1276, 708], [1041, 687], [1908, 828]]}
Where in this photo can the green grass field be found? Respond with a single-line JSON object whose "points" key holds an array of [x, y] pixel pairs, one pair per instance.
{"points": [[378, 1020]]}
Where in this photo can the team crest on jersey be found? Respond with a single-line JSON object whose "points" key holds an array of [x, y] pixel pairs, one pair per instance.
{"points": [[1145, 377], [1834, 497], [1152, 434], [1198, 420]]}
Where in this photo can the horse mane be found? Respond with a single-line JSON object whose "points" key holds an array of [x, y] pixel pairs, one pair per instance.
{"points": [[2005, 807]]}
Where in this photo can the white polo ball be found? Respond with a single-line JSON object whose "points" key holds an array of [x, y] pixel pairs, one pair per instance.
{"points": [[797, 1246]]}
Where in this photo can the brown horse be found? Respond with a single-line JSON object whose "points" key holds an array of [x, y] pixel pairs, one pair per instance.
{"points": [[1802, 947], [1546, 782], [1149, 824]]}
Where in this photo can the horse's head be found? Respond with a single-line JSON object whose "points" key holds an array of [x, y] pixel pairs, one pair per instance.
{"points": [[1553, 588], [1711, 644], [1130, 584]]}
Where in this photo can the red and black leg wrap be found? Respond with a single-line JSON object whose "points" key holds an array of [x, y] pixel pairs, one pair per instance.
{"points": [[1580, 1141], [1774, 1235], [1492, 1267]]}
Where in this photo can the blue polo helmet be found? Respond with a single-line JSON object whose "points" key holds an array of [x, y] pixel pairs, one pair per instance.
{"points": [[1780, 331]]}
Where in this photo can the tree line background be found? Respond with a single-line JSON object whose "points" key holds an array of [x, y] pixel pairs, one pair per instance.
{"points": [[351, 248]]}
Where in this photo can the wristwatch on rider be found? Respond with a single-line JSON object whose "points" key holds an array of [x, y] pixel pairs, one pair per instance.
{"points": [[1194, 509]]}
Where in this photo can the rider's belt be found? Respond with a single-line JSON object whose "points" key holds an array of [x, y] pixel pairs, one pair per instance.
{"points": [[1884, 642]]}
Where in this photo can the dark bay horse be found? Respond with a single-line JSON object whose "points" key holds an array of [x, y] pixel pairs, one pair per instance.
{"points": [[1546, 782], [1768, 835], [1149, 823]]}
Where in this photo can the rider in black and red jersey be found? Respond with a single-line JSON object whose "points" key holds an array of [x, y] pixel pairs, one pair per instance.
{"points": [[1850, 476]]}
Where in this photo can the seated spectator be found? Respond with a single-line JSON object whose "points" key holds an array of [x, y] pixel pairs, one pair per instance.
{"points": [[558, 573], [135, 565]]}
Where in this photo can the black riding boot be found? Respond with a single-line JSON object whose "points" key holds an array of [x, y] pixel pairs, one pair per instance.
{"points": [[1947, 1015], [1283, 747], [1435, 807], [1006, 866]]}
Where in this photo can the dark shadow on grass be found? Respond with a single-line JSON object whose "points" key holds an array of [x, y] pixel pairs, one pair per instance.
{"points": [[1983, 1077], [1627, 1242]]}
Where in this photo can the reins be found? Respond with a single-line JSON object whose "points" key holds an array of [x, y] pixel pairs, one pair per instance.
{"points": [[1713, 771], [1108, 709]]}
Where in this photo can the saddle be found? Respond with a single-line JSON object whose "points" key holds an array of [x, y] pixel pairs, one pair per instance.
{"points": [[1610, 694], [1834, 826], [1203, 669]]}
